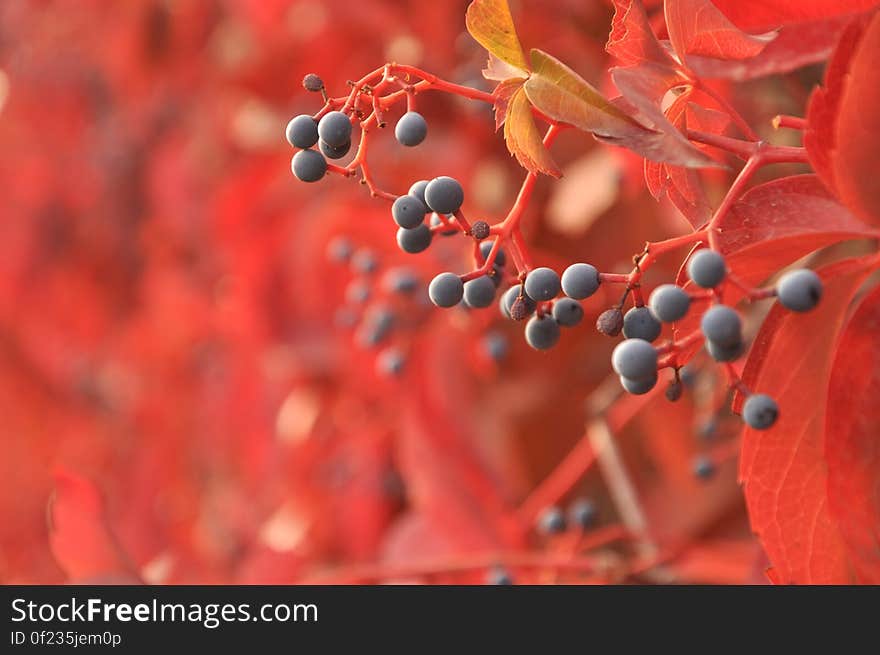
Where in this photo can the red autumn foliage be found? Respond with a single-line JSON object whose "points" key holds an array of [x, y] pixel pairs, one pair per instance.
{"points": [[178, 381], [785, 478], [850, 439]]}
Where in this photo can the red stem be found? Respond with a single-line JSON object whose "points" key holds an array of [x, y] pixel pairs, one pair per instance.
{"points": [[738, 120], [733, 194], [657, 249], [794, 122]]}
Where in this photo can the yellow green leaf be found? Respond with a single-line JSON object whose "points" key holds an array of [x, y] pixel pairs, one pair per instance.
{"points": [[565, 96], [490, 23], [523, 138]]}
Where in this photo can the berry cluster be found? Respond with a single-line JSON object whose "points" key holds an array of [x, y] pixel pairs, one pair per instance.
{"points": [[533, 299], [581, 514], [540, 296], [636, 360], [378, 304], [384, 304], [331, 132]]}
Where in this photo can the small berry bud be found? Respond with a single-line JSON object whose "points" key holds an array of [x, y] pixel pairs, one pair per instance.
{"points": [[610, 322], [480, 230], [520, 309], [674, 391], [313, 83]]}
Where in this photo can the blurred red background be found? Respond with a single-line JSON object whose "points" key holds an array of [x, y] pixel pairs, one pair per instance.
{"points": [[166, 308]]}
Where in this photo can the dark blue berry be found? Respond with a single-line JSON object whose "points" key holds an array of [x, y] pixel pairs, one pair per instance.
{"points": [[707, 268], [495, 346], [363, 261], [669, 303], [542, 284], [799, 290], [408, 211], [308, 165], [760, 411], [411, 129], [418, 190], [334, 152], [725, 353], [302, 131], [639, 386], [551, 521], [446, 290], [339, 249], [639, 323], [334, 128], [390, 362], [635, 359], [415, 240], [479, 292], [704, 467], [357, 292], [567, 312], [499, 576], [722, 326], [708, 429], [377, 322], [583, 513], [674, 390], [542, 332], [399, 280], [580, 281], [444, 195]]}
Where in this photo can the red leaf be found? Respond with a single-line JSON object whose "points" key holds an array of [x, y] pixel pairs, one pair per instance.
{"points": [[772, 13], [655, 178], [632, 41], [446, 480], [783, 469], [775, 223], [820, 137], [852, 446], [696, 27], [796, 45], [642, 88], [80, 538], [686, 191], [683, 185], [858, 129], [703, 119]]}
